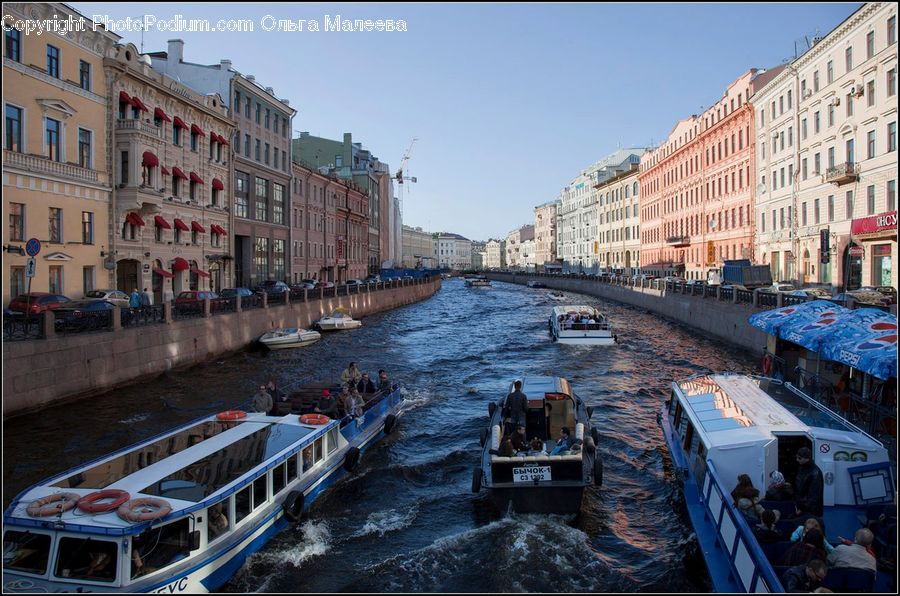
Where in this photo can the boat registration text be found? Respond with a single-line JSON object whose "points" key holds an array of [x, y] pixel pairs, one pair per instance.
{"points": [[531, 474]]}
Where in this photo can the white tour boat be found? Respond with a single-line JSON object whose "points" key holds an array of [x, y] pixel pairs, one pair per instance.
{"points": [[289, 337], [338, 320], [720, 426], [478, 281], [582, 325], [532, 283], [556, 295], [536, 481], [181, 511]]}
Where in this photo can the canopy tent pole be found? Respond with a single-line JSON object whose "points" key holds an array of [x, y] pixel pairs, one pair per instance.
{"points": [[872, 409]]}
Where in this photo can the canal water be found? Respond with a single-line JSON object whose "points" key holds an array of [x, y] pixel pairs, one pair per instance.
{"points": [[407, 520]]}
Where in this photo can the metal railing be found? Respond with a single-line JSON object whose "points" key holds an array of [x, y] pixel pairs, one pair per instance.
{"points": [[143, 316], [744, 296], [18, 327], [89, 322], [193, 309], [277, 299]]}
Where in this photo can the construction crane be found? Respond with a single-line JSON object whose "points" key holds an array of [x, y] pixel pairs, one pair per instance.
{"points": [[399, 177]]}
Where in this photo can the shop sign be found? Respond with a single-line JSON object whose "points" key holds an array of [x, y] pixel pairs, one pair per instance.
{"points": [[876, 223]]}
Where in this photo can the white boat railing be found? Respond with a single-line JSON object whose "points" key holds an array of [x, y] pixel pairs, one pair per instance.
{"points": [[749, 564]]}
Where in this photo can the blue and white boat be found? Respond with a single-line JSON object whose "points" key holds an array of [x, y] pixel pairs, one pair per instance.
{"points": [[721, 425], [181, 511]]}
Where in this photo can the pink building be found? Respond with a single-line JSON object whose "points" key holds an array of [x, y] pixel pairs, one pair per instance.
{"points": [[696, 187]]}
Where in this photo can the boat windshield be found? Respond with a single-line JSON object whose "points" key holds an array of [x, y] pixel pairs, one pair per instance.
{"points": [[204, 477], [803, 408], [87, 558], [108, 472], [26, 551]]}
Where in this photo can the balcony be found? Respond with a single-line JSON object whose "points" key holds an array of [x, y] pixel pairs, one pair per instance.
{"points": [[678, 241], [38, 164], [842, 173], [149, 128]]}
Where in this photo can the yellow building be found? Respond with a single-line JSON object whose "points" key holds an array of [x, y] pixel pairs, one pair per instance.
{"points": [[56, 184]]}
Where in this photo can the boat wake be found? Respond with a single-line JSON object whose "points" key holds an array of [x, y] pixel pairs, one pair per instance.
{"points": [[392, 520], [134, 419]]}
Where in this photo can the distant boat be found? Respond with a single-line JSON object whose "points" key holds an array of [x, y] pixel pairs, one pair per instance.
{"points": [[478, 281], [289, 337], [338, 320], [556, 296], [580, 324], [536, 284]]}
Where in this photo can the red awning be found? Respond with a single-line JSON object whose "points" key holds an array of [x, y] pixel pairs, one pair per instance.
{"points": [[165, 171], [180, 264], [197, 130], [162, 272], [134, 219], [197, 227], [180, 123], [150, 160], [217, 184], [218, 230], [176, 171], [196, 178], [214, 137], [223, 140], [181, 225], [161, 222], [136, 102], [199, 272], [124, 97], [158, 113]]}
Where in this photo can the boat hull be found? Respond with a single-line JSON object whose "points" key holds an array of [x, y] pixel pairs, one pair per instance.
{"points": [[295, 341], [330, 326], [565, 500]]}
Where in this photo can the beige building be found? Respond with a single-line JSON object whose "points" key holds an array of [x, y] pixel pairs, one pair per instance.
{"points": [[618, 244], [172, 163], [495, 254], [418, 248], [827, 154], [56, 183], [519, 254], [545, 233]]}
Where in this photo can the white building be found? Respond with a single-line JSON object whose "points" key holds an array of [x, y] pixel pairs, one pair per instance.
{"points": [[516, 251], [418, 248], [495, 254], [453, 251], [827, 157]]}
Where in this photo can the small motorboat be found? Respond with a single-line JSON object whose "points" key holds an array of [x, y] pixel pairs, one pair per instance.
{"points": [[289, 337], [556, 295], [536, 284], [338, 320]]}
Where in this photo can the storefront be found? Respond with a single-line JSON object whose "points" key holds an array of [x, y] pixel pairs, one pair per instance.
{"points": [[877, 235]]}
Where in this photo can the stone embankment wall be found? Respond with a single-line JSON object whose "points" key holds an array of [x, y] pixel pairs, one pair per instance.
{"points": [[719, 319], [39, 373]]}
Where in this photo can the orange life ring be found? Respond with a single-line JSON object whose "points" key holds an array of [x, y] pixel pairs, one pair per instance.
{"points": [[52, 504], [231, 415], [89, 504], [144, 509], [767, 364], [315, 419]]}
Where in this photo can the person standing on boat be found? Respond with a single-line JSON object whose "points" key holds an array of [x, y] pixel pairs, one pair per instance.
{"points": [[262, 401], [517, 402], [351, 374], [327, 404], [809, 488], [384, 383], [277, 396]]}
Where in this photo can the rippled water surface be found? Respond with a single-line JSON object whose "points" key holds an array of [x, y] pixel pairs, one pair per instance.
{"points": [[407, 520]]}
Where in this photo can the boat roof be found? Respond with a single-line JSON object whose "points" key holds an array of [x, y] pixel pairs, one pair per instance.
{"points": [[574, 309], [739, 409], [190, 467], [532, 386]]}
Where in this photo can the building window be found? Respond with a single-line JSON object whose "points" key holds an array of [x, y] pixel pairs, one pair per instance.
{"points": [[14, 44], [830, 115], [278, 204], [84, 75], [892, 82], [123, 168], [84, 148], [817, 122], [87, 227], [848, 204], [237, 101], [891, 195], [817, 163], [830, 157], [55, 281], [266, 154], [261, 258], [278, 270], [52, 61], [258, 113], [247, 108], [892, 136], [870, 144], [830, 208], [816, 81], [284, 160], [851, 150], [803, 129], [803, 169], [870, 199], [262, 200], [52, 139], [870, 44], [87, 279], [267, 119], [55, 225], [17, 221], [870, 93], [849, 105], [247, 145], [241, 195], [16, 281], [176, 186], [848, 58], [13, 129], [258, 148], [194, 139]]}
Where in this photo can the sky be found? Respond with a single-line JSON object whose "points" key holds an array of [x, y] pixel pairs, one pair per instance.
{"points": [[508, 102]]}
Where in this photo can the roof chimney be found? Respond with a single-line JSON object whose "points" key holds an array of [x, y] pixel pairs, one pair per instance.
{"points": [[250, 78], [270, 90], [176, 50], [225, 63]]}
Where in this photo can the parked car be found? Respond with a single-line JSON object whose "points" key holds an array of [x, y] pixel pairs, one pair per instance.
{"points": [[117, 297], [863, 297], [324, 284], [37, 302], [87, 313], [734, 287], [191, 299], [375, 278], [811, 293], [271, 286], [303, 285], [232, 292], [778, 288], [355, 282], [888, 291]]}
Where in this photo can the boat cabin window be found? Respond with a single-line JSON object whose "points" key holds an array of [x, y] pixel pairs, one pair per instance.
{"points": [[242, 504], [160, 547], [279, 478], [291, 468], [26, 551], [217, 521], [332, 440], [259, 491], [307, 457], [87, 558], [317, 450]]}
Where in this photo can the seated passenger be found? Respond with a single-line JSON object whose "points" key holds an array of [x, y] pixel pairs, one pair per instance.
{"points": [[564, 442], [810, 524], [217, 522], [327, 405], [856, 553], [765, 531], [506, 447], [518, 439], [779, 489], [365, 384], [537, 445], [806, 577], [811, 548]]}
